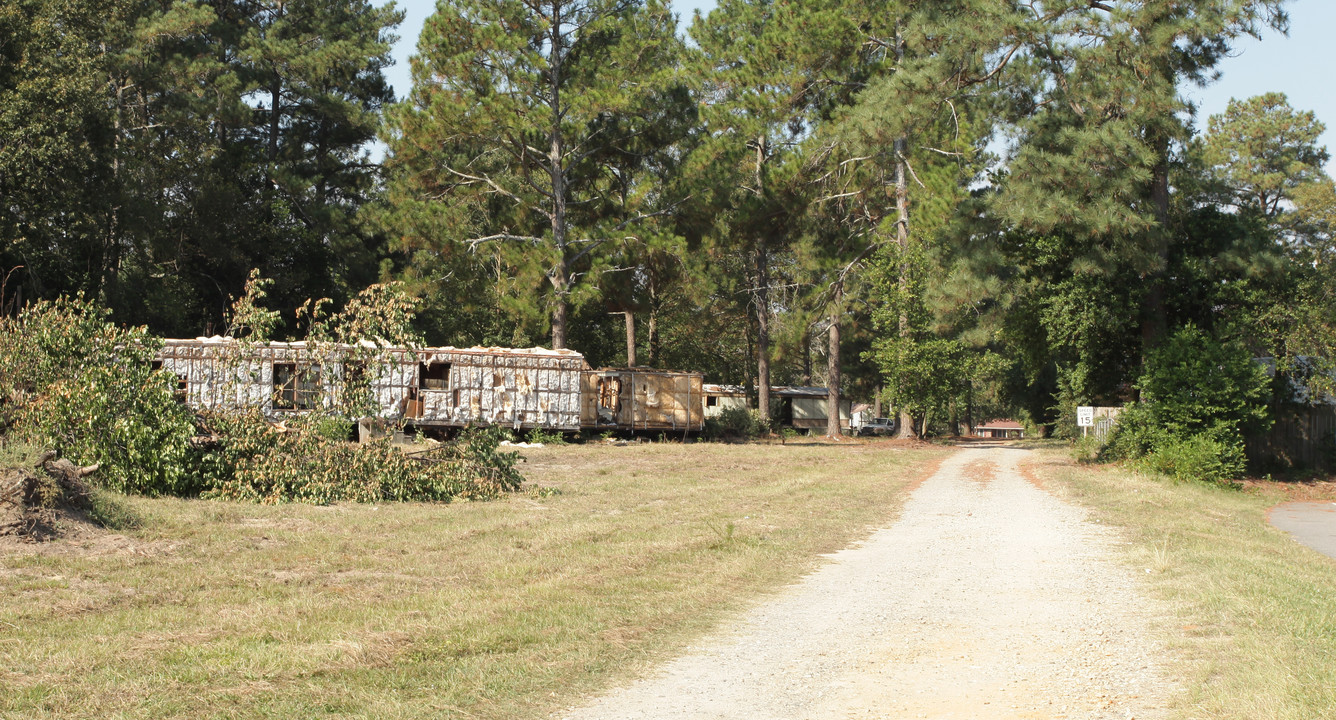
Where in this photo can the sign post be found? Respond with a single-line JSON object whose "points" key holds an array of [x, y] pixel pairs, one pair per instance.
{"points": [[1085, 418]]}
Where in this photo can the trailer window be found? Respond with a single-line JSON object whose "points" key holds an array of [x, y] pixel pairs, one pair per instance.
{"points": [[296, 387], [711, 401], [182, 391], [434, 376]]}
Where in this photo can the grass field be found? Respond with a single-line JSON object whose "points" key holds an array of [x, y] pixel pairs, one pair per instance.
{"points": [[490, 610], [1255, 611]]}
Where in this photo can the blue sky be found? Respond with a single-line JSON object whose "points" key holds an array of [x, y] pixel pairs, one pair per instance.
{"points": [[1302, 65]]}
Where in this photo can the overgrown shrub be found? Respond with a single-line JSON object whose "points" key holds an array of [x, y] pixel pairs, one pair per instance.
{"points": [[1199, 397], [1198, 457], [736, 423], [73, 382], [255, 462], [76, 383], [1135, 435], [1195, 383]]}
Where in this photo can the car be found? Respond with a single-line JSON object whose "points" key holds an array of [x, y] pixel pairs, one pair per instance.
{"points": [[877, 426]]}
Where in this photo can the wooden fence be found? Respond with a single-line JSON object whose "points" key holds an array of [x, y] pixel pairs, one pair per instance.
{"points": [[1301, 437]]}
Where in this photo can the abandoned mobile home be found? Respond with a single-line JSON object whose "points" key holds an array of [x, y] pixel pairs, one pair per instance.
{"points": [[801, 408], [436, 387]]}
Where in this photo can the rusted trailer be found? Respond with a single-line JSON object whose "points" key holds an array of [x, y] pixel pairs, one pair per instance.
{"points": [[429, 387], [643, 399]]}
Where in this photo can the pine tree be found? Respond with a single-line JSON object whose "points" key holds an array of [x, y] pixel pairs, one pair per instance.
{"points": [[771, 73], [1103, 120], [513, 107], [1264, 150]]}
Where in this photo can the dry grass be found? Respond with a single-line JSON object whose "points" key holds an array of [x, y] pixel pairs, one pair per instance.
{"points": [[1256, 624], [492, 610]]}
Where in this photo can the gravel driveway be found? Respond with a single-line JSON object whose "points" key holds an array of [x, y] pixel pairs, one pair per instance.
{"points": [[988, 598]]}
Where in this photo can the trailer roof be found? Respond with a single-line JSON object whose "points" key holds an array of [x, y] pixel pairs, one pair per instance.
{"points": [[220, 340]]}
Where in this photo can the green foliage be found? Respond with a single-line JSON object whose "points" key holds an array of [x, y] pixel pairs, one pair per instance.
{"points": [[525, 135], [255, 462], [736, 423], [1199, 398], [332, 427], [1194, 384], [86, 389], [1202, 456], [546, 437], [152, 152], [1136, 434], [246, 318], [1264, 151]]}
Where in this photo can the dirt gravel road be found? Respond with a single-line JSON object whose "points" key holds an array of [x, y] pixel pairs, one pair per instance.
{"points": [[988, 598]]}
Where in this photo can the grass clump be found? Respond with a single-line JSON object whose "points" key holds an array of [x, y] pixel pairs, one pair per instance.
{"points": [[111, 511]]}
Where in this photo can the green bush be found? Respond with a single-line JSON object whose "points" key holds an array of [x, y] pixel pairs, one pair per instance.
{"points": [[736, 423], [1194, 383], [1135, 435], [547, 437], [1198, 457], [1199, 396], [81, 386]]}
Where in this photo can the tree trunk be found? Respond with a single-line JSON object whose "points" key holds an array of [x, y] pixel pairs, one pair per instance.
{"points": [[1154, 323], [901, 147], [560, 284], [807, 357], [749, 379], [561, 274], [762, 332], [906, 424], [275, 116], [630, 338], [833, 370], [652, 351]]}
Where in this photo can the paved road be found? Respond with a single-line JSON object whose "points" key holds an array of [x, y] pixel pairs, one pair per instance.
{"points": [[988, 598], [1311, 523]]}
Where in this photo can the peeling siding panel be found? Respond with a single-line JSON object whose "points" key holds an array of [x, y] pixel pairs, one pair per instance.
{"points": [[485, 386], [643, 399]]}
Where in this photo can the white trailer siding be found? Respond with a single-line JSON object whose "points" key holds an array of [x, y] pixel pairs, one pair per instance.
{"points": [[535, 388]]}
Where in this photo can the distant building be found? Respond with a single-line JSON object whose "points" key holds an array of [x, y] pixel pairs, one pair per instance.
{"points": [[1000, 429]]}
